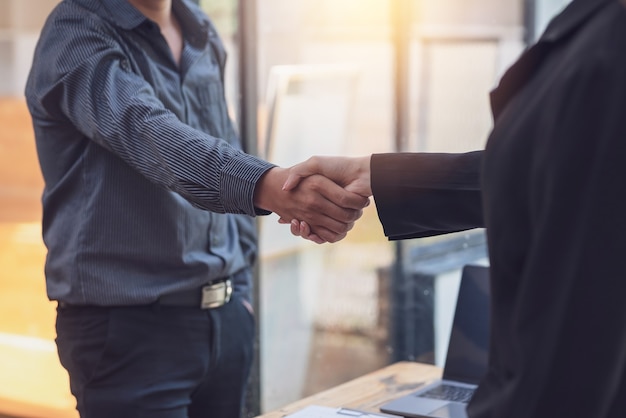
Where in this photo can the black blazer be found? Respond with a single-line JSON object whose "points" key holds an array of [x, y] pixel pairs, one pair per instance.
{"points": [[550, 188]]}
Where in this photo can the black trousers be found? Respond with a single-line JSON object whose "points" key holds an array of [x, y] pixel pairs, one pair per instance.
{"points": [[156, 361]]}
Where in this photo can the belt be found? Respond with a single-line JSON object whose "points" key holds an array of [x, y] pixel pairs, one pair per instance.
{"points": [[209, 296]]}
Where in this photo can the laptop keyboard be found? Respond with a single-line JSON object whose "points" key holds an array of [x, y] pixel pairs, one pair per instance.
{"points": [[449, 393]]}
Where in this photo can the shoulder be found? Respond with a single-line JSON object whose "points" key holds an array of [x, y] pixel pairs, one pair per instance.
{"points": [[608, 37], [73, 28], [73, 37], [68, 14], [73, 32], [596, 55]]}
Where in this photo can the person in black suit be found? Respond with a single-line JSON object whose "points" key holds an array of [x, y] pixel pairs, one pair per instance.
{"points": [[550, 188]]}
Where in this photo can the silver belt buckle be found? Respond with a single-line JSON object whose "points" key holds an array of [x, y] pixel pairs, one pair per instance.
{"points": [[216, 295]]}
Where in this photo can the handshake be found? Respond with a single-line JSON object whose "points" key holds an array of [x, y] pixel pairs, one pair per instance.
{"points": [[320, 198]]}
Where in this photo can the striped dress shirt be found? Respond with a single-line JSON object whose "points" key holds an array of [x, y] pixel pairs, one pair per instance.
{"points": [[146, 189]]}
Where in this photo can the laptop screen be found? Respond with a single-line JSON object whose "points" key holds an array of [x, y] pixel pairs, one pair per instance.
{"points": [[466, 360]]}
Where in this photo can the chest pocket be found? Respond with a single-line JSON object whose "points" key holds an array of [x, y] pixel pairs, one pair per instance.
{"points": [[214, 120]]}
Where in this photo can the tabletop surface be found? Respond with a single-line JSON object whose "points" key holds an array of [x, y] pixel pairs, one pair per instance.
{"points": [[370, 391]]}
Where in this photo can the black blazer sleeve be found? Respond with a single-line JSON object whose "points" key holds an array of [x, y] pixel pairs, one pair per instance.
{"points": [[425, 194]]}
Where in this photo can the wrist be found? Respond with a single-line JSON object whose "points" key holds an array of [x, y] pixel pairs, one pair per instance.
{"points": [[265, 189], [364, 171]]}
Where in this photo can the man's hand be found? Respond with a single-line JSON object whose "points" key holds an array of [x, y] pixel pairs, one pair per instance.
{"points": [[328, 209], [353, 173]]}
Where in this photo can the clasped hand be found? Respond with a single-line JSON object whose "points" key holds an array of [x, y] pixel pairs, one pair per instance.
{"points": [[320, 198]]}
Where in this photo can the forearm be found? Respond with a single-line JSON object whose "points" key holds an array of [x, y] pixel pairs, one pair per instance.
{"points": [[422, 194], [205, 170]]}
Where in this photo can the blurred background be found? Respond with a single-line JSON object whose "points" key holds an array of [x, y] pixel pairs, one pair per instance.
{"points": [[304, 77]]}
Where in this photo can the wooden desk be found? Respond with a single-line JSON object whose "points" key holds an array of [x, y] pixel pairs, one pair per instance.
{"points": [[370, 391]]}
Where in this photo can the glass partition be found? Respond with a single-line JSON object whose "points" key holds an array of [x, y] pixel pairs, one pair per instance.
{"points": [[326, 83]]}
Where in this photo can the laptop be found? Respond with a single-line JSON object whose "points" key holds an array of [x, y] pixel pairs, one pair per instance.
{"points": [[466, 361]]}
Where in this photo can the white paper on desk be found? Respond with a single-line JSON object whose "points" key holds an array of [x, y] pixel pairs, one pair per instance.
{"points": [[317, 411]]}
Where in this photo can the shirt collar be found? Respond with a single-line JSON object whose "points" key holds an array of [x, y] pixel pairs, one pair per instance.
{"points": [[196, 27], [122, 14]]}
